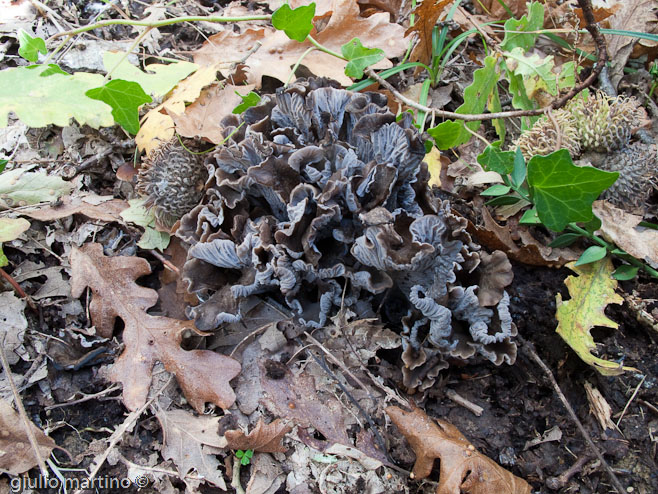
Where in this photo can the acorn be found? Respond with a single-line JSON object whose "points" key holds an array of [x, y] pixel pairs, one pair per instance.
{"points": [[542, 138], [172, 179]]}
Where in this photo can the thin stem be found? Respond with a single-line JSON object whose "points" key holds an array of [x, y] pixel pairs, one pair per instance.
{"points": [[299, 61], [135, 44], [157, 24], [52, 54], [325, 49]]}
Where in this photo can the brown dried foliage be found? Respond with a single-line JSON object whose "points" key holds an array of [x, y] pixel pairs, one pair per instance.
{"points": [[264, 438], [203, 375], [427, 14], [463, 470]]}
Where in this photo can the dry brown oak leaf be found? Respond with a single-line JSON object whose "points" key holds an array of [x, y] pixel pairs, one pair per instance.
{"points": [[203, 375], [427, 13], [264, 438], [463, 470]]}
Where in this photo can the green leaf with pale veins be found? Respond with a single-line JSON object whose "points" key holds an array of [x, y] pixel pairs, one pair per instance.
{"points": [[19, 187], [359, 57], [591, 291], [39, 101], [296, 23], [125, 98], [157, 80], [493, 159], [450, 134], [29, 47], [517, 32], [562, 192]]}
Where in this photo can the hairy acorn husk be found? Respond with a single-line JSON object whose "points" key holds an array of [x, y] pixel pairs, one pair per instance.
{"points": [[551, 134], [172, 179]]}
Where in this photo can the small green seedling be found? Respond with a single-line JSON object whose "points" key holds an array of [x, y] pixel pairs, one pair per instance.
{"points": [[244, 456]]}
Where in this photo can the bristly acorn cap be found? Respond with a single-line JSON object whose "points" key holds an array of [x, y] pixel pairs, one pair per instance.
{"points": [[172, 179]]}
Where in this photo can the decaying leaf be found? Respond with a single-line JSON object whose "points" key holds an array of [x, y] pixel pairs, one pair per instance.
{"points": [[427, 13], [191, 442], [14, 324], [463, 469], [277, 53], [11, 228], [203, 375], [17, 454], [623, 229], [203, 117], [264, 438], [102, 208], [599, 407], [20, 187], [591, 291]]}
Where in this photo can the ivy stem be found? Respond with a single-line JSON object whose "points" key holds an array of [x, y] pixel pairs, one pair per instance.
{"points": [[52, 54], [157, 24], [299, 61], [325, 49], [135, 44]]}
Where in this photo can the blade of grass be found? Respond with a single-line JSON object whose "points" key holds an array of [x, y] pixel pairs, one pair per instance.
{"points": [[384, 74]]}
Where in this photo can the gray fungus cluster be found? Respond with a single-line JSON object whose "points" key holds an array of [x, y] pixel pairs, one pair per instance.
{"points": [[321, 200]]}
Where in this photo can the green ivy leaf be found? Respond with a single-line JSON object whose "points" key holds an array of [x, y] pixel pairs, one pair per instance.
{"points": [[53, 68], [562, 192], [519, 172], [359, 57], [450, 134], [503, 201], [38, 104], [564, 240], [591, 254], [125, 98], [296, 23], [517, 31], [625, 272], [29, 47], [3, 164], [496, 190], [530, 217], [493, 159], [249, 100], [157, 80]]}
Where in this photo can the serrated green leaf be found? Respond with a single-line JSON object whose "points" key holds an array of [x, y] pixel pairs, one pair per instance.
{"points": [[29, 47], [296, 23], [157, 80], [53, 68], [590, 293], [503, 201], [22, 187], [125, 98], [625, 272], [519, 172], [530, 218], [153, 239], [493, 159], [562, 192], [38, 102], [591, 254], [564, 240], [249, 100], [496, 190], [517, 31], [359, 57], [450, 134], [11, 228]]}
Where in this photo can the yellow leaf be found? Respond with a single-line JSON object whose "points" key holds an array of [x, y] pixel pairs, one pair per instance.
{"points": [[433, 160], [591, 291]]}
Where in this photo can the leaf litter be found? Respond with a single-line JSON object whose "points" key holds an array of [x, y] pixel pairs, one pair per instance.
{"points": [[297, 406]]}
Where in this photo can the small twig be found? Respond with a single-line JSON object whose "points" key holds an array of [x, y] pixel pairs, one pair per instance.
{"points": [[555, 483], [460, 400], [167, 264], [648, 405], [109, 390], [19, 290], [628, 403], [27, 424], [529, 348], [235, 479]]}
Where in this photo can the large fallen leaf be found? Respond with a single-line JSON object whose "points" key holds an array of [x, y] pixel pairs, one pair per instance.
{"points": [[427, 13], [623, 229], [17, 454], [102, 208], [191, 442], [591, 291], [23, 188], [264, 438], [278, 53], [203, 375], [203, 117], [14, 324], [11, 228], [463, 469]]}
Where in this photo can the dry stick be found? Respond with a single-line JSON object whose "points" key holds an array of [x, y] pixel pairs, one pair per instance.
{"points": [[602, 57], [529, 348], [21, 410], [628, 403], [19, 290]]}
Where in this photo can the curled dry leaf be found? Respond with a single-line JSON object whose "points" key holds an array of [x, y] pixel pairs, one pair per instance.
{"points": [[277, 53], [203, 375], [17, 454], [427, 13], [264, 438], [89, 206], [463, 470], [623, 229]]}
